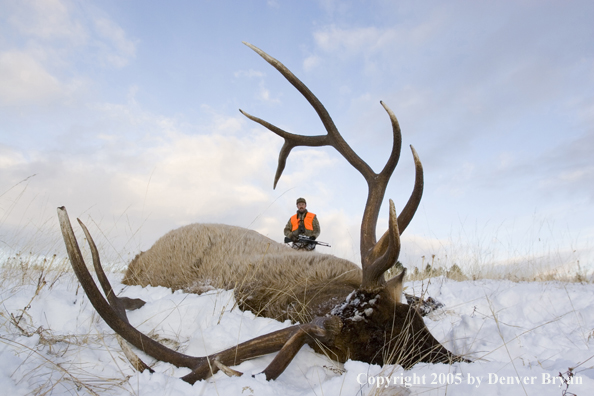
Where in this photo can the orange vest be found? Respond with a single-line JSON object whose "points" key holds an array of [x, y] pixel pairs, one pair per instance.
{"points": [[307, 221]]}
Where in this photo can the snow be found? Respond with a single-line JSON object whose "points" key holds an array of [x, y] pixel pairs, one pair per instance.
{"points": [[521, 336]]}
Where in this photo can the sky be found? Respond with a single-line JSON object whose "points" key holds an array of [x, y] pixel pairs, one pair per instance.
{"points": [[127, 113]]}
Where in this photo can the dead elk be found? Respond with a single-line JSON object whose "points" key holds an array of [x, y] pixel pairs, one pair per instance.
{"points": [[346, 312]]}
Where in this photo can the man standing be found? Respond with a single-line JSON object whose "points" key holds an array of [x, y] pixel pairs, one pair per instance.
{"points": [[302, 223]]}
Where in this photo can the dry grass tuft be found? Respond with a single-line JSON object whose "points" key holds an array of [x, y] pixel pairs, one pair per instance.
{"points": [[514, 273], [50, 361]]}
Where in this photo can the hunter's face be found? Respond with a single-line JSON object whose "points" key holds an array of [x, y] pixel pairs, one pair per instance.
{"points": [[301, 207]]}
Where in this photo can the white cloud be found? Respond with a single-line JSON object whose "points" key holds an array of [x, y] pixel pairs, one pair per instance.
{"points": [[379, 49], [342, 232], [263, 92], [47, 20], [41, 69], [251, 73], [58, 33], [205, 175], [157, 170], [334, 39], [576, 175], [568, 178], [506, 160], [265, 96], [10, 158], [24, 80], [311, 62], [333, 7], [366, 40], [305, 164], [115, 48], [273, 3], [456, 183]]}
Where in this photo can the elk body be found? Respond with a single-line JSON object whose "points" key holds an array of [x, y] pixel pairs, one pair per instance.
{"points": [[344, 311], [268, 278]]}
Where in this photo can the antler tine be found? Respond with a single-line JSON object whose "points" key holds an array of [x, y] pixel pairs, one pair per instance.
{"points": [[113, 300], [322, 329], [259, 346], [415, 198], [291, 140], [377, 191], [373, 274], [287, 341], [396, 145], [409, 209], [111, 317]]}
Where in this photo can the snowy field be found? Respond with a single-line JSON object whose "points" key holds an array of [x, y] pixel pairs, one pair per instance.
{"points": [[521, 336]]}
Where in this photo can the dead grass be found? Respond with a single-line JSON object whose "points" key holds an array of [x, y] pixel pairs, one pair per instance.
{"points": [[50, 361], [514, 273]]}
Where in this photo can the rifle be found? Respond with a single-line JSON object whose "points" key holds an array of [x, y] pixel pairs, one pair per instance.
{"points": [[303, 238]]}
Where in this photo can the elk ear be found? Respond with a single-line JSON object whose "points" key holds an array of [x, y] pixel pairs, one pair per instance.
{"points": [[394, 287]]}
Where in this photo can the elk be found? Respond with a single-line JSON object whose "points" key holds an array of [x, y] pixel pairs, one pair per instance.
{"points": [[342, 310]]}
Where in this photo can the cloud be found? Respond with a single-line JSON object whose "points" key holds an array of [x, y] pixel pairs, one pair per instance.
{"points": [[54, 36], [137, 175], [115, 48], [358, 41], [159, 170], [352, 41], [25, 81], [334, 7], [263, 93], [251, 73], [10, 158], [272, 3], [46, 20], [342, 232], [568, 168], [206, 176], [311, 62]]}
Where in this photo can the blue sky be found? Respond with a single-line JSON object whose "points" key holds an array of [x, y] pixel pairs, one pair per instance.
{"points": [[127, 113]]}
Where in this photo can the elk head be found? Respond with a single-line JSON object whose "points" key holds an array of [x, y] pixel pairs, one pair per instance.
{"points": [[370, 324]]}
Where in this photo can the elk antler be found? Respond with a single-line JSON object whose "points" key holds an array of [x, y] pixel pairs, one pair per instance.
{"points": [[376, 257], [288, 341]]}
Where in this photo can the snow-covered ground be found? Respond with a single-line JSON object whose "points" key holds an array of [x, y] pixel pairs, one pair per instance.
{"points": [[521, 336]]}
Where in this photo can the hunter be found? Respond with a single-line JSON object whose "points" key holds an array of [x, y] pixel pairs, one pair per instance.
{"points": [[302, 223]]}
